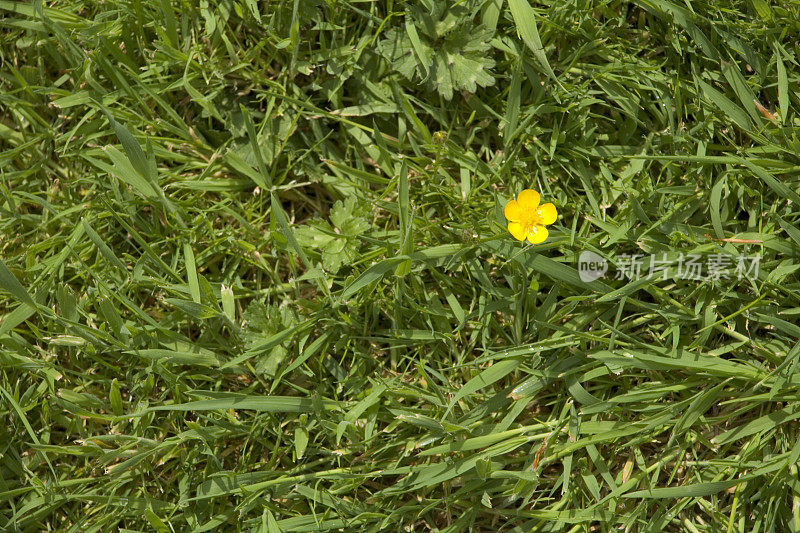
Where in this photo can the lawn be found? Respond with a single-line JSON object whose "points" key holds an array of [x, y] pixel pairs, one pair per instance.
{"points": [[259, 267]]}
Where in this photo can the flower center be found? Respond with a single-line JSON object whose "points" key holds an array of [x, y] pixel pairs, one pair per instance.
{"points": [[530, 217]]}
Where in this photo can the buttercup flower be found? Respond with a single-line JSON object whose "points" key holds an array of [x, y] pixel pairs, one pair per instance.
{"points": [[526, 218]]}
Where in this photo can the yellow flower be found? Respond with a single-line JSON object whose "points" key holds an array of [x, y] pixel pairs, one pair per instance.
{"points": [[526, 218]]}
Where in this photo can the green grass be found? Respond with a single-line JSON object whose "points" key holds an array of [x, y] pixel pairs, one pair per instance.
{"points": [[255, 275]]}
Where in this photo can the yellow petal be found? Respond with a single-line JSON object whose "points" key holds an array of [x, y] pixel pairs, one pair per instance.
{"points": [[516, 229], [528, 199], [513, 211], [538, 234], [547, 214]]}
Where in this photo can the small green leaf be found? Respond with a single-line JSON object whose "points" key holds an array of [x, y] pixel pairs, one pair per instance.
{"points": [[783, 85], [155, 521], [228, 302], [133, 150], [191, 273], [694, 490], [372, 274], [115, 398], [10, 283], [525, 19], [105, 251], [735, 113], [716, 193], [300, 441], [406, 222], [122, 168], [497, 371]]}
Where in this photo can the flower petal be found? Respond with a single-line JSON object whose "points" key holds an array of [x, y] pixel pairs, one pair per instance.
{"points": [[547, 214], [516, 229], [513, 211], [528, 199], [538, 234]]}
